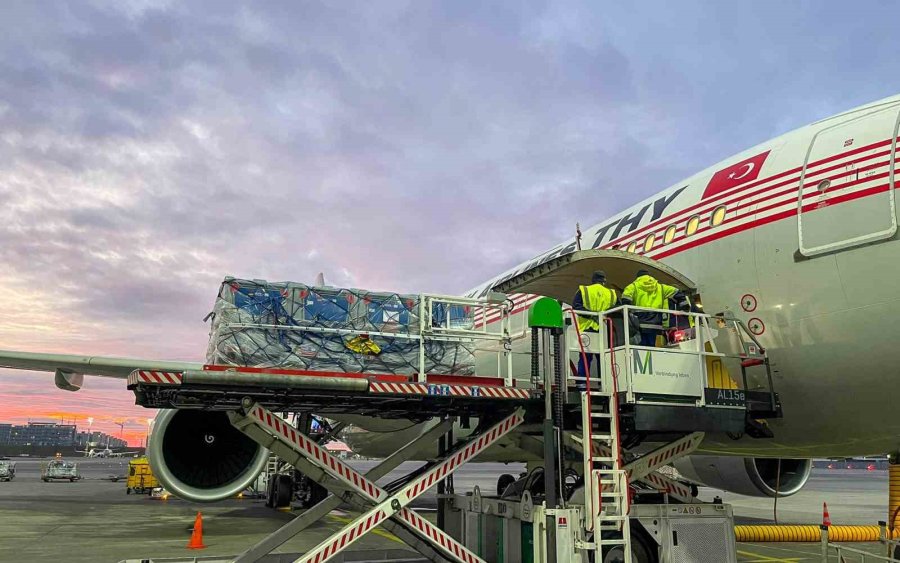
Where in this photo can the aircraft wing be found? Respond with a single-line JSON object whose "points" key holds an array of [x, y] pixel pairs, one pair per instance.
{"points": [[70, 369]]}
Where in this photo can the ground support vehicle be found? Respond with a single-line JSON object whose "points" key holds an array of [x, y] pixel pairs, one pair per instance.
{"points": [[59, 470]]}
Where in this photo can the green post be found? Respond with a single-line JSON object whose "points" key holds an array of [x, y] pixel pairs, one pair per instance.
{"points": [[527, 542], [545, 313]]}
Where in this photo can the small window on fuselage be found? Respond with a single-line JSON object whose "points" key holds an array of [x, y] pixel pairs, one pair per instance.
{"points": [[670, 234], [692, 225], [717, 217]]}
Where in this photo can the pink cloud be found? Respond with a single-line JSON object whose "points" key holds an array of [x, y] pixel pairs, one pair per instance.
{"points": [[32, 397]]}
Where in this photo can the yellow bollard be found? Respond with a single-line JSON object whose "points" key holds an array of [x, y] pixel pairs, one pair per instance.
{"points": [[893, 519]]}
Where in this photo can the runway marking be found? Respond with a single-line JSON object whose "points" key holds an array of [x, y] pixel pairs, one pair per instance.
{"points": [[760, 558], [376, 531]]}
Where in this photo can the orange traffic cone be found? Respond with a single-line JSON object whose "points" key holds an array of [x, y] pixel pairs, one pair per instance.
{"points": [[197, 535], [826, 519]]}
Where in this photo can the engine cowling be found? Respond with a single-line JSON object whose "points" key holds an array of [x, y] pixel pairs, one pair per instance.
{"points": [[200, 456], [756, 477]]}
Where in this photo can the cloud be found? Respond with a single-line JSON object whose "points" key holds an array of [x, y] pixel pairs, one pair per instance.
{"points": [[147, 149]]}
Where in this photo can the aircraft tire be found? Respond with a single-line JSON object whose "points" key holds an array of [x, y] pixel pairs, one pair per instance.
{"points": [[643, 549], [504, 481], [284, 491], [270, 493]]}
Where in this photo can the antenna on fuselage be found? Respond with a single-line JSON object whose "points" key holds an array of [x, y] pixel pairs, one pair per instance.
{"points": [[578, 236]]}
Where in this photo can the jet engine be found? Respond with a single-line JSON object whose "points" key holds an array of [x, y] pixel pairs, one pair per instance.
{"points": [[756, 477], [200, 456]]}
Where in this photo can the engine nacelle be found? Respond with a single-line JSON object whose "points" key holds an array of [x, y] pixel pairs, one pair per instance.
{"points": [[756, 477], [200, 456]]}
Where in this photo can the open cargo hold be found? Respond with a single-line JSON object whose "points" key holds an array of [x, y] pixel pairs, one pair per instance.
{"points": [[292, 325]]}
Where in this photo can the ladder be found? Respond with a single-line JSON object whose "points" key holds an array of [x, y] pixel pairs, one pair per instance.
{"points": [[606, 495]]}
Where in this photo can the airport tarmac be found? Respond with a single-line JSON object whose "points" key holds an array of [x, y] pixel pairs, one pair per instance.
{"points": [[93, 520]]}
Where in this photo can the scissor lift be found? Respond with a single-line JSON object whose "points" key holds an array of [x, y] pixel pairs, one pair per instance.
{"points": [[611, 411], [379, 506]]}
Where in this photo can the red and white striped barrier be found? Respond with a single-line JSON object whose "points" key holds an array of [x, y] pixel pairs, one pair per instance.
{"points": [[654, 478], [317, 454], [649, 463], [437, 536], [346, 537], [476, 391], [155, 377], [395, 504]]}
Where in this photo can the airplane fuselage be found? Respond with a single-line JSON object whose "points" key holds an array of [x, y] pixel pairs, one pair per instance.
{"points": [[809, 269]]}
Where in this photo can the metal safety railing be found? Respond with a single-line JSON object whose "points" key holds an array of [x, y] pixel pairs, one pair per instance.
{"points": [[836, 551], [692, 342]]}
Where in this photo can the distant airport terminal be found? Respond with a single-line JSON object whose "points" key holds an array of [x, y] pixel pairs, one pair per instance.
{"points": [[48, 438]]}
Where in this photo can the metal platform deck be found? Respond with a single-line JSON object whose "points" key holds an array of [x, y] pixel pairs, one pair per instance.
{"points": [[282, 390]]}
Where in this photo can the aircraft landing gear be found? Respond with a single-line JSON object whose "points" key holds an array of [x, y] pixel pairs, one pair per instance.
{"points": [[643, 549], [504, 481], [308, 493]]}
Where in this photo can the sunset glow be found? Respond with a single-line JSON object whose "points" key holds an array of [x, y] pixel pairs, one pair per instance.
{"points": [[149, 149]]}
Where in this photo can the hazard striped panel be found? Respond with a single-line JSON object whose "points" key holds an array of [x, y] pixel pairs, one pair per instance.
{"points": [[645, 465], [662, 483], [395, 504], [316, 454], [437, 537], [654, 479], [477, 391], [425, 481], [155, 377], [343, 539]]}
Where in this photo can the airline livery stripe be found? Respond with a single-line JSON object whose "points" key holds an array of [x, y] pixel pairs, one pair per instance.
{"points": [[738, 189], [791, 212], [748, 202], [792, 201], [675, 245]]}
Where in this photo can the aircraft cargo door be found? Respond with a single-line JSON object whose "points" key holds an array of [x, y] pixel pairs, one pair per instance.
{"points": [[847, 196]]}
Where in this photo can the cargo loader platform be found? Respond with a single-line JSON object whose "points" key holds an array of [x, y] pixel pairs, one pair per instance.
{"points": [[585, 430], [386, 396]]}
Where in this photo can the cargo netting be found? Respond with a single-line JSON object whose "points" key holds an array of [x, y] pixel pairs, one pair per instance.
{"points": [[292, 325]]}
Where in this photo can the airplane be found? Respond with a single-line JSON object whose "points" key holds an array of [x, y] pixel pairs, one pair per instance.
{"points": [[796, 236], [104, 452]]}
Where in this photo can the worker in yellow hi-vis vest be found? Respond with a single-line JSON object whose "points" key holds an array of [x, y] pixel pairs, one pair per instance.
{"points": [[595, 298], [646, 291]]}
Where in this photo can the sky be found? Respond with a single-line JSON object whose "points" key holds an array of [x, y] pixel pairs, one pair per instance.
{"points": [[148, 149]]}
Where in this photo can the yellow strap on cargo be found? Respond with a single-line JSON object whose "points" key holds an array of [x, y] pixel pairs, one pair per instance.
{"points": [[362, 345]]}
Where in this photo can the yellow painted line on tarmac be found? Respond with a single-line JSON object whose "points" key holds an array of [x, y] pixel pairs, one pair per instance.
{"points": [[760, 558], [376, 531]]}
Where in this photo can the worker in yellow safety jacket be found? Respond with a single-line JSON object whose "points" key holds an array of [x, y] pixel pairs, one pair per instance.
{"points": [[595, 298], [646, 291]]}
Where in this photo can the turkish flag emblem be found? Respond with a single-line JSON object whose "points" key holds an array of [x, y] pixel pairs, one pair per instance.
{"points": [[735, 175]]}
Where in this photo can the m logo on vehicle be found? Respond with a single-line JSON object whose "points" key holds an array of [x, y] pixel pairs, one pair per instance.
{"points": [[644, 366]]}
